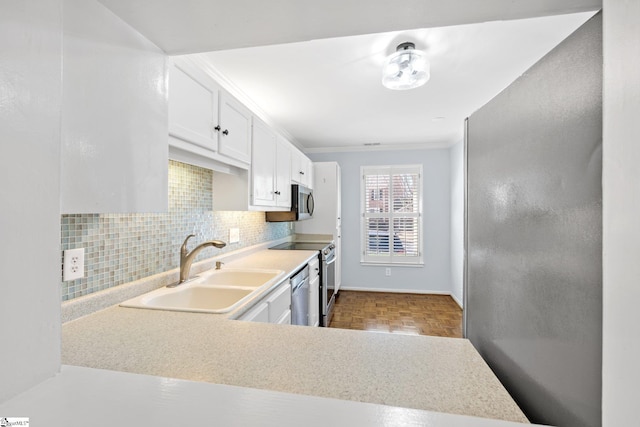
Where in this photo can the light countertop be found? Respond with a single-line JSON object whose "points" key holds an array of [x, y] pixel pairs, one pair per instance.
{"points": [[79, 397], [430, 373]]}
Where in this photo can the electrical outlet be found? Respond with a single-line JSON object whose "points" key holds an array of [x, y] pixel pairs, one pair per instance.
{"points": [[73, 264], [387, 272], [234, 235]]}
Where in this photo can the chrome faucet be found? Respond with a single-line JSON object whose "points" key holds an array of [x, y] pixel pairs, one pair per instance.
{"points": [[186, 258]]}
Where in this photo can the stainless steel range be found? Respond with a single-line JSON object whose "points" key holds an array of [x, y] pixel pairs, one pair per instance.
{"points": [[327, 256]]}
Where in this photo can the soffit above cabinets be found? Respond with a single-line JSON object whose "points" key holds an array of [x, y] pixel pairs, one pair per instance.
{"points": [[315, 71], [191, 26]]}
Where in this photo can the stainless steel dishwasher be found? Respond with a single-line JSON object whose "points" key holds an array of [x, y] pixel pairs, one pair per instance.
{"points": [[300, 297]]}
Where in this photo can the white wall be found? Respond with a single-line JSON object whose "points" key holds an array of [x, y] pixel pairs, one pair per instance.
{"points": [[30, 90], [435, 275], [114, 115], [456, 154], [621, 214]]}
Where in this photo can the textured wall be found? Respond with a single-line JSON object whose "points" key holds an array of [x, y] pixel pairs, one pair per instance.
{"points": [[534, 290], [120, 248]]}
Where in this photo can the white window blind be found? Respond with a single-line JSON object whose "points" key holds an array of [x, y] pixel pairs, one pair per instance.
{"points": [[391, 214]]}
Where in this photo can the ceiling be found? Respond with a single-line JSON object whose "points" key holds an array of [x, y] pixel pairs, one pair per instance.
{"points": [[316, 73]]}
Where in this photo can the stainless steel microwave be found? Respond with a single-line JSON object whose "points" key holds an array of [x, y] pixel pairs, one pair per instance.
{"points": [[302, 206]]}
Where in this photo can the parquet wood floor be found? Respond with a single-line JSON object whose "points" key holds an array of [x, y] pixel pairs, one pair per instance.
{"points": [[409, 314]]}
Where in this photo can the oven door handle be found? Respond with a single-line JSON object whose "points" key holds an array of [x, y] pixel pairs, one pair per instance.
{"points": [[331, 260]]}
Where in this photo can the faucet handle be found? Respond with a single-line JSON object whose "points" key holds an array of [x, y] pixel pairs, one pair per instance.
{"points": [[183, 248], [219, 265]]}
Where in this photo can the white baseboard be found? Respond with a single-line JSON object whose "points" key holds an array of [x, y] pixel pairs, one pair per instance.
{"points": [[395, 290], [457, 300], [403, 291]]}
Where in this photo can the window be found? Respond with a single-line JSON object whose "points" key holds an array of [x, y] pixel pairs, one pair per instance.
{"points": [[391, 208]]}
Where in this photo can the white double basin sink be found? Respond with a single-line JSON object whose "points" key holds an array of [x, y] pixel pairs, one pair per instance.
{"points": [[213, 291]]}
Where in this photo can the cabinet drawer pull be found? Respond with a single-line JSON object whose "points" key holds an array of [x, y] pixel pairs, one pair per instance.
{"points": [[277, 192]]}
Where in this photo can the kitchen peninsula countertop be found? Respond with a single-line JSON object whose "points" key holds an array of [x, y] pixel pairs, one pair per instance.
{"points": [[430, 373]]}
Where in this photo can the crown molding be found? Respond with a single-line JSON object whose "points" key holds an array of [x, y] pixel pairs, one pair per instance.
{"points": [[200, 61], [382, 147]]}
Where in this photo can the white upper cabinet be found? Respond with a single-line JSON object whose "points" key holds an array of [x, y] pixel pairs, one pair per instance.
{"points": [[263, 178], [210, 128], [193, 106], [283, 173], [235, 132], [271, 172], [308, 167], [205, 120], [114, 115], [301, 169]]}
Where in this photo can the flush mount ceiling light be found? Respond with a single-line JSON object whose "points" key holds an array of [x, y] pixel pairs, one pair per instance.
{"points": [[406, 68]]}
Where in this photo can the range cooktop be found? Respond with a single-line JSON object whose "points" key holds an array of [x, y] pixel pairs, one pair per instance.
{"points": [[301, 246]]}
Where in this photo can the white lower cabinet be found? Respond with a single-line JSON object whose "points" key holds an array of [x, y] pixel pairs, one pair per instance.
{"points": [[314, 302], [259, 313], [314, 293], [273, 308], [280, 303], [285, 319]]}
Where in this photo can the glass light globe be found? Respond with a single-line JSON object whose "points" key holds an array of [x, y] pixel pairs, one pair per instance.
{"points": [[407, 68]]}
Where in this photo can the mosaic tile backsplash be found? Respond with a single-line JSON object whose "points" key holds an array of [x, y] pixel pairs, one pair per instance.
{"points": [[120, 248]]}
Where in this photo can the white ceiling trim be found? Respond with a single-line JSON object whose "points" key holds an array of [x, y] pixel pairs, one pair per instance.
{"points": [[228, 85], [380, 147]]}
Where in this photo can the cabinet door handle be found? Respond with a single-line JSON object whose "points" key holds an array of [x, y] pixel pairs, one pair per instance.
{"points": [[225, 132], [301, 173], [217, 128], [277, 193]]}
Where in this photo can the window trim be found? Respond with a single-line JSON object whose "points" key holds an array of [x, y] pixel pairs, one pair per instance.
{"points": [[391, 259]]}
